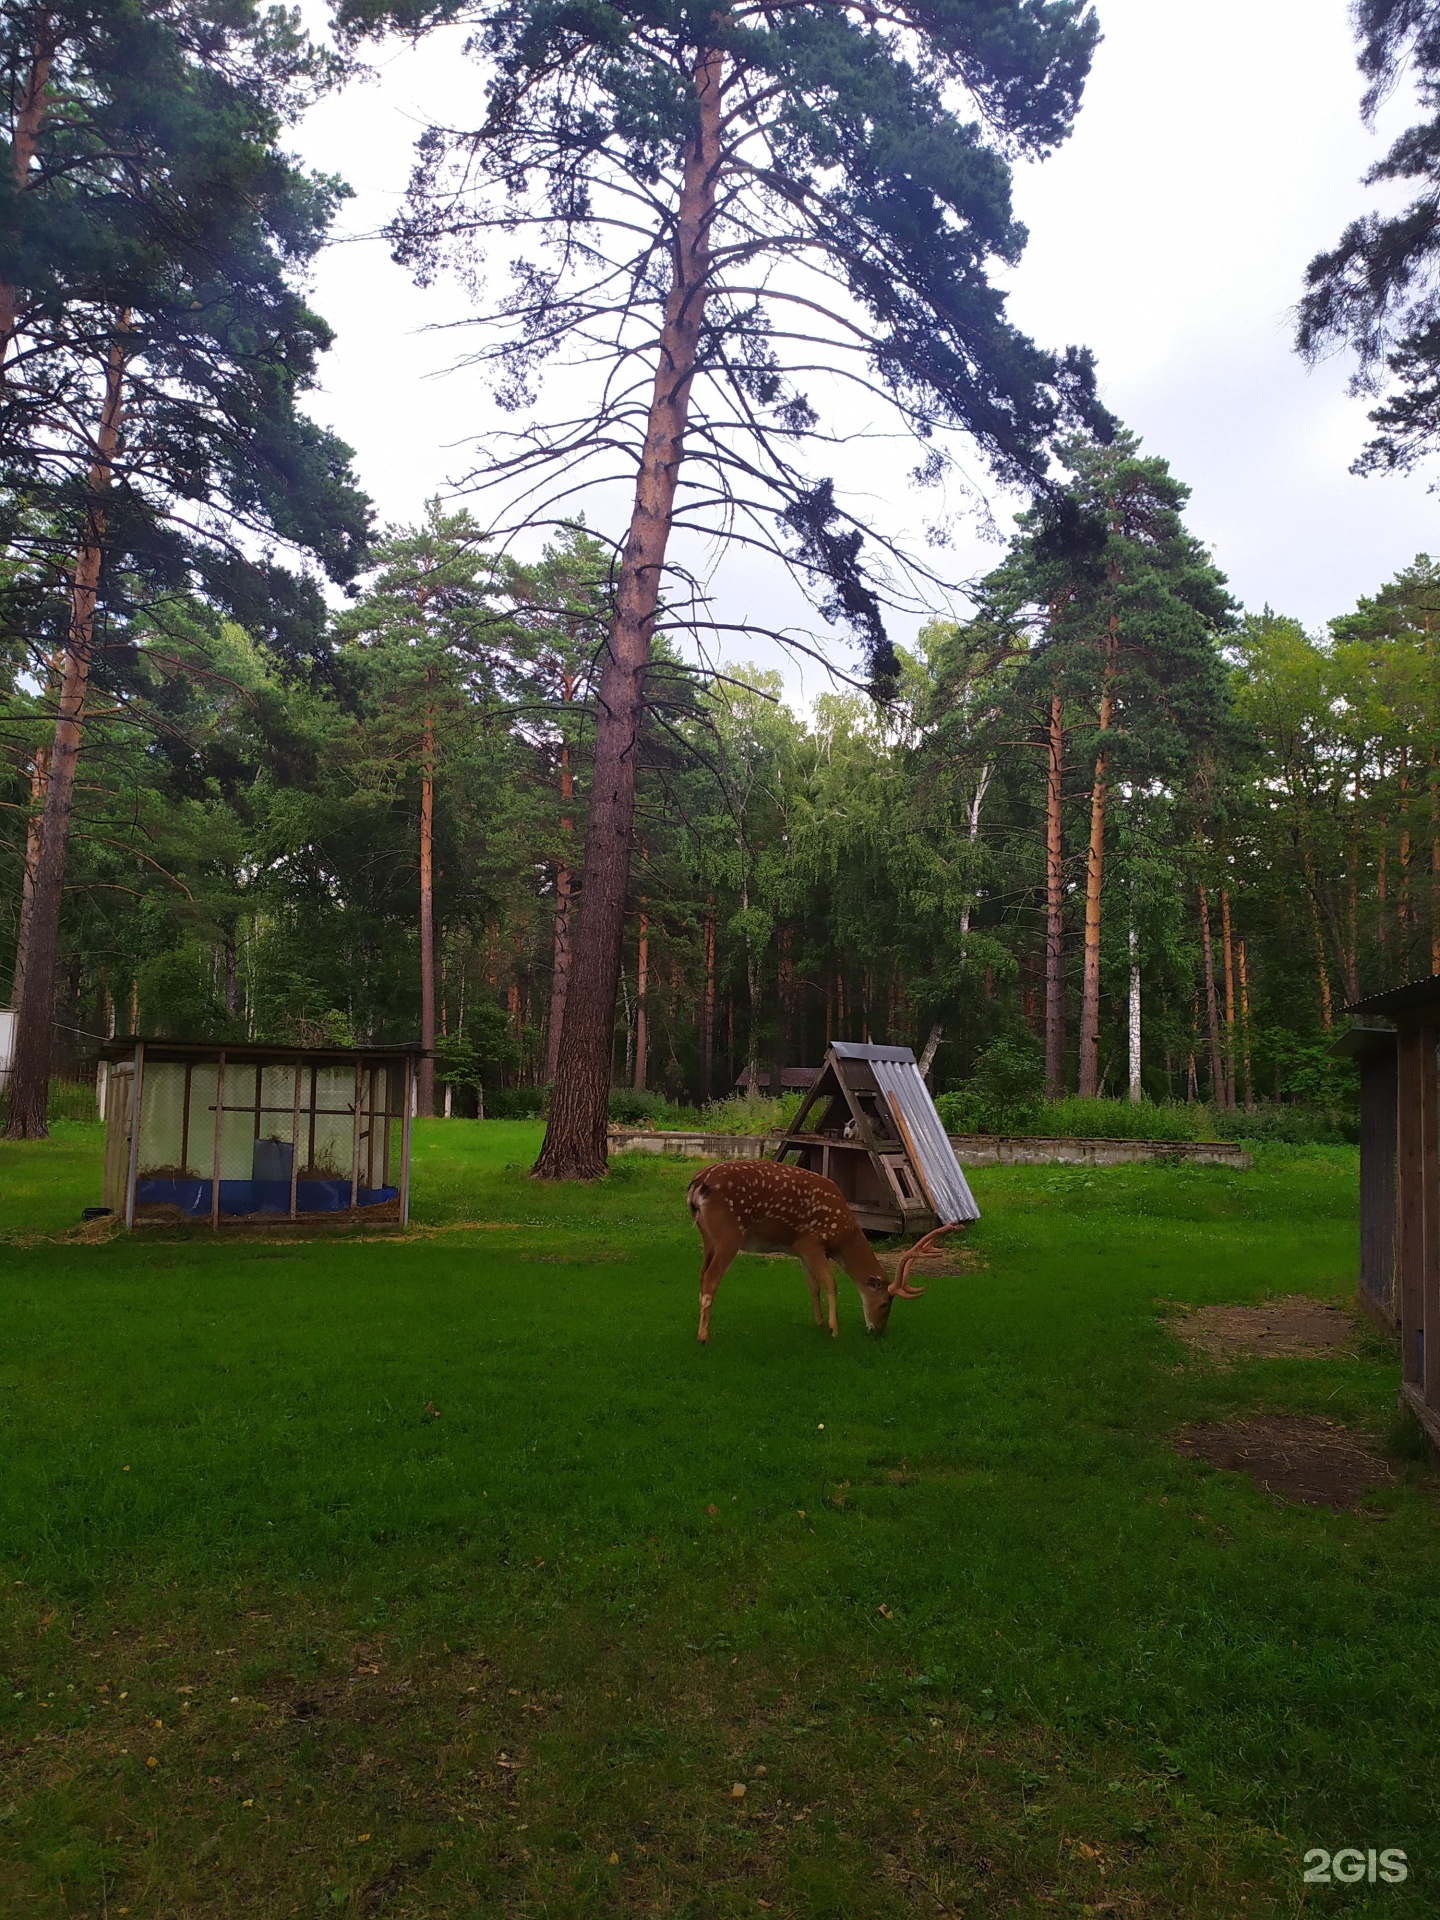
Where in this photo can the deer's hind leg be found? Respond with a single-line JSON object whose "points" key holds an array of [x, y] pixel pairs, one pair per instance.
{"points": [[819, 1277], [722, 1243]]}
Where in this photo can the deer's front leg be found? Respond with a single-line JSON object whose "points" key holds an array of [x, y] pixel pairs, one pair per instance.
{"points": [[818, 1275], [721, 1248]]}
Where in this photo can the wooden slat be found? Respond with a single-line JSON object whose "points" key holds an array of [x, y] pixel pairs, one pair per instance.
{"points": [[1430, 1189], [219, 1124], [295, 1144], [137, 1112], [1377, 1182]]}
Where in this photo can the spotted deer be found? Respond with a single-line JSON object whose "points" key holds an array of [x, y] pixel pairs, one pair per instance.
{"points": [[764, 1206]]}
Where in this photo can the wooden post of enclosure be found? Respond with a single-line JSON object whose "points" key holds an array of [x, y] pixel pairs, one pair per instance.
{"points": [[295, 1142], [405, 1145], [1418, 1248], [389, 1116], [132, 1171], [219, 1124], [355, 1139]]}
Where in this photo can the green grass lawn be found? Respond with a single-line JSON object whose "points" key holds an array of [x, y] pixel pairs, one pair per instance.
{"points": [[949, 1607]]}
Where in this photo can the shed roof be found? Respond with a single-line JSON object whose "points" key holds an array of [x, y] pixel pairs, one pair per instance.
{"points": [[1363, 1043], [254, 1052], [1414, 996]]}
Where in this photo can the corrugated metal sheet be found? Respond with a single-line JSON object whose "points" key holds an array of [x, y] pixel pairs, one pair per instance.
{"points": [[897, 1074]]}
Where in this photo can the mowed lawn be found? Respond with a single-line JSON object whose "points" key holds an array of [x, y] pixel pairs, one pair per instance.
{"points": [[447, 1575]]}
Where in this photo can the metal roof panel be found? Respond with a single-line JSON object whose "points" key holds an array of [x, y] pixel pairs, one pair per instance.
{"points": [[898, 1076]]}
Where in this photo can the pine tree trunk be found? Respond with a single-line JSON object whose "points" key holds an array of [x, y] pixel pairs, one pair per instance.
{"points": [[25, 136], [34, 837], [1229, 997], [575, 1144], [1212, 1010], [1137, 1091], [1311, 889], [1055, 906], [642, 1003], [1245, 1031], [425, 1080], [1406, 914], [1434, 869], [707, 1009], [1094, 881], [30, 1075], [230, 959], [564, 900]]}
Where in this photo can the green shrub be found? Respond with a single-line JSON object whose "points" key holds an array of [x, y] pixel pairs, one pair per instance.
{"points": [[1296, 1126], [515, 1103], [749, 1113], [1077, 1119], [632, 1107], [1003, 1094]]}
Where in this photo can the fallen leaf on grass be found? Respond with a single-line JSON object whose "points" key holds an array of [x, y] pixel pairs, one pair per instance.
{"points": [[737, 1792], [614, 1860], [886, 1611]]}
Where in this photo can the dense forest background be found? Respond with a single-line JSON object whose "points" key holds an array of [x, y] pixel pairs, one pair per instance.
{"points": [[248, 862], [268, 772]]}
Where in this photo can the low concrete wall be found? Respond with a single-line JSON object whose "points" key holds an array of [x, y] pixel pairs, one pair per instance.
{"points": [[1015, 1150], [971, 1149], [693, 1146]]}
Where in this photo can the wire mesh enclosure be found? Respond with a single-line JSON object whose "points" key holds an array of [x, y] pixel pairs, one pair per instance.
{"points": [[257, 1133]]}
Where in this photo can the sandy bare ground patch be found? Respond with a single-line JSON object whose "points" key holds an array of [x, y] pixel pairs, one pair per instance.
{"points": [[1310, 1461], [1294, 1327], [943, 1262]]}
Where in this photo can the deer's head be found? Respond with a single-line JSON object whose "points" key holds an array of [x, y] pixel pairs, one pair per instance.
{"points": [[879, 1292]]}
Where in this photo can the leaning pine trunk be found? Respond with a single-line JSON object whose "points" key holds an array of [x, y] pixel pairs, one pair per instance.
{"points": [[1055, 907], [30, 1075], [575, 1138]]}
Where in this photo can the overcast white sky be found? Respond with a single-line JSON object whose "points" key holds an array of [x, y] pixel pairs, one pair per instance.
{"points": [[1219, 147]]}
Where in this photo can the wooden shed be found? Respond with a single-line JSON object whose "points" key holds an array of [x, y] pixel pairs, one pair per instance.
{"points": [[1407, 1206], [868, 1123], [1374, 1051], [255, 1133]]}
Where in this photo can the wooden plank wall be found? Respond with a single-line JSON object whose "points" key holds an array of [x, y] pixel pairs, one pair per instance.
{"points": [[1377, 1182], [1418, 1245]]}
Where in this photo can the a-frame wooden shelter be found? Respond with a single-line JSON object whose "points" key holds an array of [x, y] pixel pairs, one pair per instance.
{"points": [[868, 1123]]}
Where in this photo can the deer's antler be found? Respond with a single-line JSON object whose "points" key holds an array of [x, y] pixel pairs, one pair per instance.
{"points": [[900, 1288]]}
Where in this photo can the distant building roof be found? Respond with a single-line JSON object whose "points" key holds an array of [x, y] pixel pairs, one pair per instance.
{"points": [[789, 1077]]}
